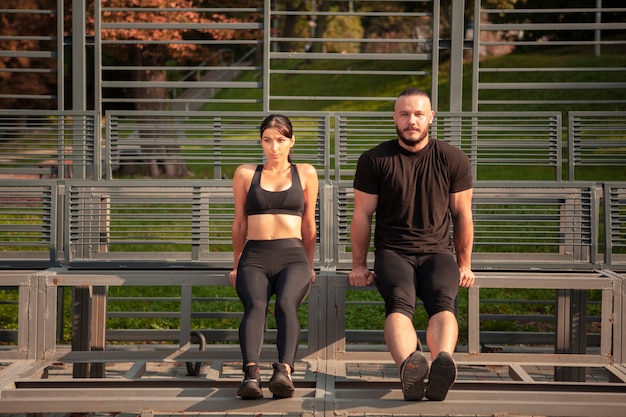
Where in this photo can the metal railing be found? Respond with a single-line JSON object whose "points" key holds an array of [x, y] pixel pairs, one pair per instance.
{"points": [[596, 139], [500, 139], [63, 219]]}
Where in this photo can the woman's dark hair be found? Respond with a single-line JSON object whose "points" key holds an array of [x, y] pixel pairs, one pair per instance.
{"points": [[280, 122]]}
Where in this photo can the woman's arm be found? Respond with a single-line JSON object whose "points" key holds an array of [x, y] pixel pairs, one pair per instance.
{"points": [[240, 222]]}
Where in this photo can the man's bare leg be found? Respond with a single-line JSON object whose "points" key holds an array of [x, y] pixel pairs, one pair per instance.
{"points": [[441, 337], [400, 337], [401, 340], [442, 333]]}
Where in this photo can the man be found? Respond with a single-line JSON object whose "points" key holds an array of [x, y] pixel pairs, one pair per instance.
{"points": [[416, 185]]}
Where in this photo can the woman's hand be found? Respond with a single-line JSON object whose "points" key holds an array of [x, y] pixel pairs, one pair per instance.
{"points": [[232, 277]]}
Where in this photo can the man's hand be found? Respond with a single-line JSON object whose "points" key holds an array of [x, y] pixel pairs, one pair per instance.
{"points": [[467, 277], [361, 277]]}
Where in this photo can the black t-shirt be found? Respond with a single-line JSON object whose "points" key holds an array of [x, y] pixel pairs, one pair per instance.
{"points": [[413, 191]]}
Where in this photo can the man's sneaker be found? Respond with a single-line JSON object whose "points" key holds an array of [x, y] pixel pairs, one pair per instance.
{"points": [[250, 387], [281, 384], [442, 376], [413, 374]]}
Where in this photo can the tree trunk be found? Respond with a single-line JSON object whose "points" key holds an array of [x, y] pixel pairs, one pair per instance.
{"points": [[289, 28], [159, 160], [320, 26]]}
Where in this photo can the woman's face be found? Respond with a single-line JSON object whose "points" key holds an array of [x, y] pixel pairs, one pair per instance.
{"points": [[275, 145]]}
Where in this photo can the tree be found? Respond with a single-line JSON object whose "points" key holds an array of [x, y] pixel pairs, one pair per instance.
{"points": [[25, 71], [290, 23], [560, 16]]}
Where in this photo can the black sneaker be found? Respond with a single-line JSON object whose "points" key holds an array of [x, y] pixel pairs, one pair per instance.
{"points": [[281, 384], [442, 376], [413, 374], [250, 387]]}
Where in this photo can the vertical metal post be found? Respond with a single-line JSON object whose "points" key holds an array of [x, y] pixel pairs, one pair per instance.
{"points": [[79, 80], [186, 298], [327, 208], [434, 93], [27, 318], [79, 72], [619, 307], [475, 54], [336, 316], [598, 32], [60, 56], [89, 327], [97, 56], [60, 313], [80, 327], [457, 33], [473, 319], [562, 343], [611, 320], [267, 30], [82, 295], [98, 169], [579, 332], [47, 307], [98, 328], [571, 332]]}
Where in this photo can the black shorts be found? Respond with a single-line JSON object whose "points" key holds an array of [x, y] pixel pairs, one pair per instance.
{"points": [[433, 278]]}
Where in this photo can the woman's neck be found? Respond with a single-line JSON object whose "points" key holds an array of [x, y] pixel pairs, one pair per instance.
{"points": [[278, 168]]}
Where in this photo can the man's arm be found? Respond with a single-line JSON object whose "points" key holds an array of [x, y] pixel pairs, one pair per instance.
{"points": [[360, 235], [461, 210]]}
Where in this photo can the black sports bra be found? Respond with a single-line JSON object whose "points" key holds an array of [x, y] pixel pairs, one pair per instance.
{"points": [[290, 201]]}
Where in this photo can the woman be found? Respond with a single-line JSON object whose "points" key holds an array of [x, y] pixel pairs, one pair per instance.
{"points": [[273, 234]]}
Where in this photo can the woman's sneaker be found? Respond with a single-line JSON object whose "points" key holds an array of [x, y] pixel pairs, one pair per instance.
{"points": [[442, 376], [281, 384], [250, 387], [413, 375]]}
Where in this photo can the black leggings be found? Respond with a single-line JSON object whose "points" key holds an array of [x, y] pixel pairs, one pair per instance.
{"points": [[270, 267]]}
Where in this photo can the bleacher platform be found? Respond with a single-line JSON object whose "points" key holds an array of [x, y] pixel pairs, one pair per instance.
{"points": [[90, 228]]}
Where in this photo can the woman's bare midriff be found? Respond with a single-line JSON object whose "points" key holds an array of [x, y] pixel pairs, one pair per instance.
{"points": [[274, 226]]}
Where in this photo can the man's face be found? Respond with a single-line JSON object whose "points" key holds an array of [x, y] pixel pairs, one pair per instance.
{"points": [[413, 115]]}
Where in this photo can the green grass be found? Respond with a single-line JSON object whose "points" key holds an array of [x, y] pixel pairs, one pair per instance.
{"points": [[390, 86], [326, 85]]}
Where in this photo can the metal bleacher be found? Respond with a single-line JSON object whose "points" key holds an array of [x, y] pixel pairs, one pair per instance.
{"points": [[88, 230]]}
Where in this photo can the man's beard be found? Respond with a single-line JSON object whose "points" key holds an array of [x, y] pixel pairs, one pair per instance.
{"points": [[410, 142]]}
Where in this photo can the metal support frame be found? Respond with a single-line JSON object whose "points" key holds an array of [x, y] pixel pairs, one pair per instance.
{"points": [[334, 380]]}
